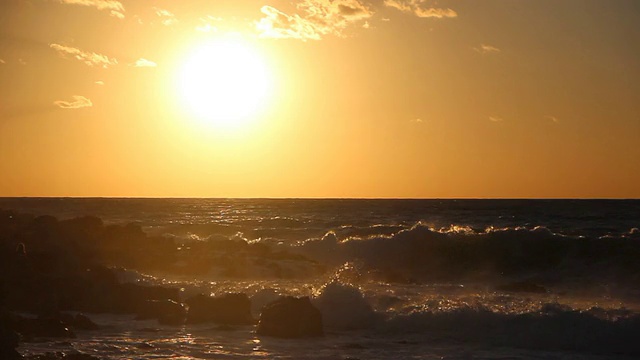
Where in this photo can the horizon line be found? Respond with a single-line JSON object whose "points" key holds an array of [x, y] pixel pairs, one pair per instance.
{"points": [[311, 198]]}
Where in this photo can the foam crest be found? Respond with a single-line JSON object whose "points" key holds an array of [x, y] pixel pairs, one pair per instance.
{"points": [[458, 253], [344, 307]]}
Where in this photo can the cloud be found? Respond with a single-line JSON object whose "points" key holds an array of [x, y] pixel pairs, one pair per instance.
{"points": [[168, 18], [77, 103], [421, 8], [277, 24], [417, 121], [89, 58], [486, 49], [144, 63], [2, 61], [115, 8], [495, 119], [552, 118], [99, 82], [333, 16], [319, 18], [209, 24]]}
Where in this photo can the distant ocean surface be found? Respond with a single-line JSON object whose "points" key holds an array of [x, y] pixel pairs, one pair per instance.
{"points": [[394, 279]]}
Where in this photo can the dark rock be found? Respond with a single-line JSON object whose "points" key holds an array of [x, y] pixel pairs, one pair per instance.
{"points": [[290, 317], [9, 341], [77, 322], [230, 309], [83, 322], [167, 312], [10, 354], [42, 328]]}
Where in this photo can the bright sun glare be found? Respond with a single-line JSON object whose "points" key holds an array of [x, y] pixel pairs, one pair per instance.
{"points": [[225, 83]]}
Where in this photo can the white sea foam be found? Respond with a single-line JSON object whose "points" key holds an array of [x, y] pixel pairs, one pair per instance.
{"points": [[344, 307]]}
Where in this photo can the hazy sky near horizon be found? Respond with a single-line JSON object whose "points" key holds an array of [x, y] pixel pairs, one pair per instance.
{"points": [[365, 98]]}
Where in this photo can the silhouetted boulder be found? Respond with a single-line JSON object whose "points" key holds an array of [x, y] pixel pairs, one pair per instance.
{"points": [[290, 317], [167, 312], [229, 309], [42, 328], [9, 341], [83, 322]]}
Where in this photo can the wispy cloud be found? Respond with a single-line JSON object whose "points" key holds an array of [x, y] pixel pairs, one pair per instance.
{"points": [[99, 82], [279, 25], [144, 63], [495, 119], [115, 8], [209, 23], [552, 118], [319, 18], [486, 49], [166, 16], [421, 8], [89, 58], [77, 103], [2, 61]]}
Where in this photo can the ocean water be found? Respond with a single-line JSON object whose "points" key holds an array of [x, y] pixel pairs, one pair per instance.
{"points": [[394, 279]]}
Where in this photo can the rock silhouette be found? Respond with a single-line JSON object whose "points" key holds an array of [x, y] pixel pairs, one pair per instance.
{"points": [[290, 317]]}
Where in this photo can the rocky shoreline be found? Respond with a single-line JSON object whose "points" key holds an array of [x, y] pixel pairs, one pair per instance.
{"points": [[53, 272]]}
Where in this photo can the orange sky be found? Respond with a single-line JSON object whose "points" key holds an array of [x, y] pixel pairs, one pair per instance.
{"points": [[367, 98]]}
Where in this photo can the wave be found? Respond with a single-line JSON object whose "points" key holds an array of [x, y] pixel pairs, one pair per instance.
{"points": [[422, 253], [545, 326], [344, 307], [387, 253], [553, 327]]}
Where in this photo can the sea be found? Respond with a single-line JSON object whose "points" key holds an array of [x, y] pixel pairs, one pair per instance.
{"points": [[393, 278]]}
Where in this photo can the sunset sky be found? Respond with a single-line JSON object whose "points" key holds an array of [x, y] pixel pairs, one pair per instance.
{"points": [[320, 98]]}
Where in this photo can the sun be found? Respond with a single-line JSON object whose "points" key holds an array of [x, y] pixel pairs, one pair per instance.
{"points": [[224, 83]]}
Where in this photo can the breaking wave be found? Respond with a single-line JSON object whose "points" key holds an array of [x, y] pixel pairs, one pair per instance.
{"points": [[422, 253]]}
